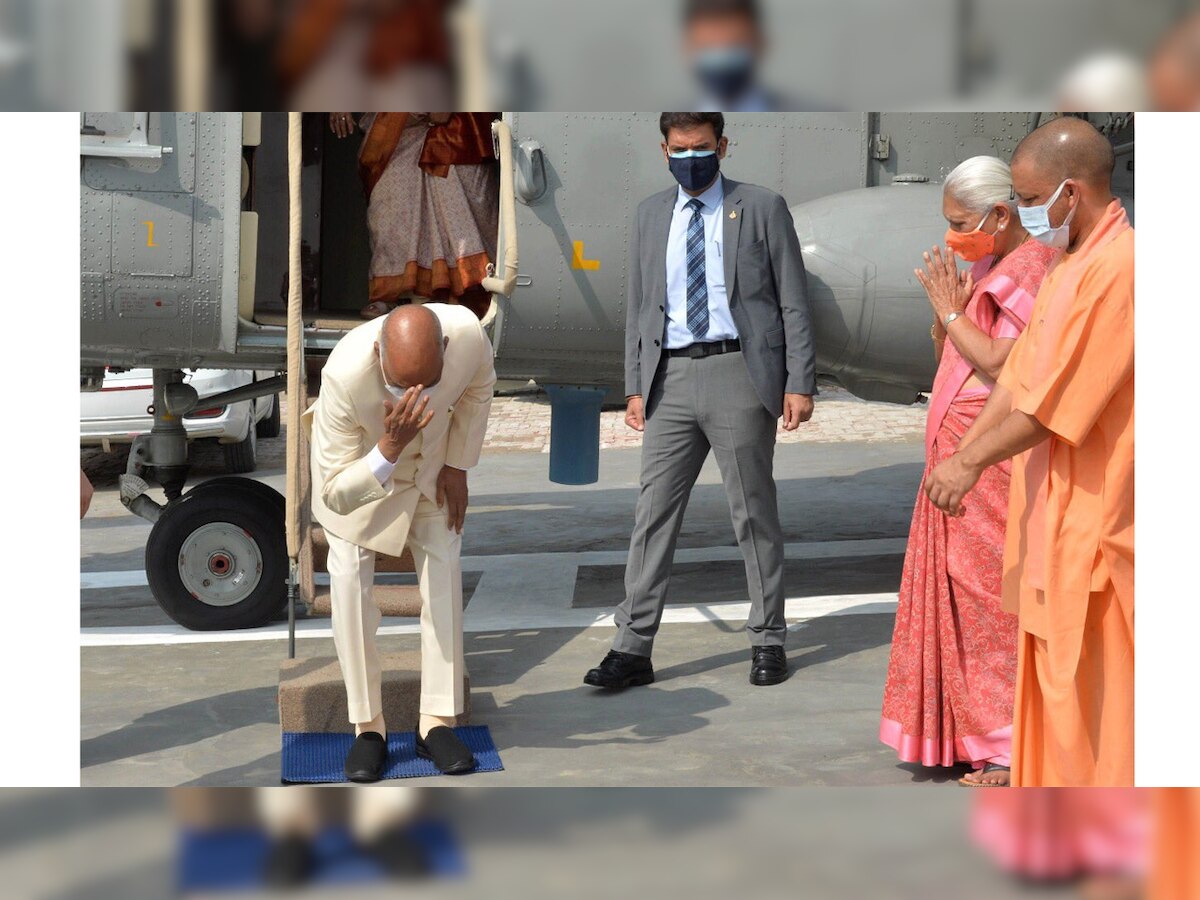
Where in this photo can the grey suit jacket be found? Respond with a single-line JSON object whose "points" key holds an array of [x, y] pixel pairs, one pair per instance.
{"points": [[765, 282]]}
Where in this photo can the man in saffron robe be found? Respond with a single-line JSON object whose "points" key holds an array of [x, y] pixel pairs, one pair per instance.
{"points": [[1064, 407]]}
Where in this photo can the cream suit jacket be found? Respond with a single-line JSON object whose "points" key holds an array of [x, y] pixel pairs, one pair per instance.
{"points": [[346, 422]]}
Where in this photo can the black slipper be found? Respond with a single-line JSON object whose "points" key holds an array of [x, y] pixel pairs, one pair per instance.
{"points": [[399, 854], [444, 748], [289, 863], [367, 759]]}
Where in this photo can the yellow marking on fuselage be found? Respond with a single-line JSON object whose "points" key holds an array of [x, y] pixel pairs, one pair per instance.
{"points": [[578, 262]]}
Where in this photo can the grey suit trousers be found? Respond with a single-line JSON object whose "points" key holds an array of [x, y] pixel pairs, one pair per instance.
{"points": [[695, 405]]}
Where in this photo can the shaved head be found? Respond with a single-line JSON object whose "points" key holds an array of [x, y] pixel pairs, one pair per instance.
{"points": [[1068, 148], [1067, 164], [411, 347]]}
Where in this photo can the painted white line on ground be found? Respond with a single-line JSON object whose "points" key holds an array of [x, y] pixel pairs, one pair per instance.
{"points": [[798, 609], [798, 550], [101, 580]]}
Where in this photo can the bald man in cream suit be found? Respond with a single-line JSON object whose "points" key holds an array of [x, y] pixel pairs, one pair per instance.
{"points": [[401, 417]]}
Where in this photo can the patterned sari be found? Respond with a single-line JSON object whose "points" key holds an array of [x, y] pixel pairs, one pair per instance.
{"points": [[952, 674], [433, 203]]}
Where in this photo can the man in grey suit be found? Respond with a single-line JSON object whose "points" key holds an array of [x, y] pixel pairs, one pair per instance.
{"points": [[718, 345]]}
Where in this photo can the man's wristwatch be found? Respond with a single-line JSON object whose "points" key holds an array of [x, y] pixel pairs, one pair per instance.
{"points": [[950, 318]]}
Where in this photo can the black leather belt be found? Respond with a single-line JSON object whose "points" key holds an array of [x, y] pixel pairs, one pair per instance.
{"points": [[713, 348]]}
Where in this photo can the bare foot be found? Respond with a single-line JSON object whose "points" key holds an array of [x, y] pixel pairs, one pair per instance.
{"points": [[988, 776], [375, 309]]}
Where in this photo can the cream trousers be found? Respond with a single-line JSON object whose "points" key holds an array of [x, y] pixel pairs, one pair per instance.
{"points": [[435, 548], [297, 810]]}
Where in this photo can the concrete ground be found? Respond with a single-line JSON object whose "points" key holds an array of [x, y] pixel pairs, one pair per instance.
{"points": [[543, 567]]}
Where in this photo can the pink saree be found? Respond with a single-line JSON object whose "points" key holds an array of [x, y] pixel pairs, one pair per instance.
{"points": [[952, 673]]}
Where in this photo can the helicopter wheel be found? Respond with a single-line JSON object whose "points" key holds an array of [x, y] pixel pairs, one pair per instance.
{"points": [[216, 559]]}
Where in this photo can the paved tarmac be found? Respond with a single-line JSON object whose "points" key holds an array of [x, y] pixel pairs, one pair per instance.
{"points": [[543, 567]]}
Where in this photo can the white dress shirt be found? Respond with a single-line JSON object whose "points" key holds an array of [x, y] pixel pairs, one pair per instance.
{"points": [[720, 322], [380, 465]]}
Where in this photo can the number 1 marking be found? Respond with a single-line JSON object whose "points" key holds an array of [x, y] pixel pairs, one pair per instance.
{"points": [[149, 234]]}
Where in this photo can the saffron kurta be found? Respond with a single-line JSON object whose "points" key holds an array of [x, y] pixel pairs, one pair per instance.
{"points": [[1069, 547]]}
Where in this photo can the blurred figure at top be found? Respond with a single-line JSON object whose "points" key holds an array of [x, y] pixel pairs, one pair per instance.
{"points": [[1175, 69], [949, 693], [370, 54], [724, 44]]}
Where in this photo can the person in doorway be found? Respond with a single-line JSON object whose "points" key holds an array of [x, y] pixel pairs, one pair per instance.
{"points": [[432, 189]]}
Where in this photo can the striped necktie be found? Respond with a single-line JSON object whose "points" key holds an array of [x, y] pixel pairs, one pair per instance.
{"points": [[697, 281]]}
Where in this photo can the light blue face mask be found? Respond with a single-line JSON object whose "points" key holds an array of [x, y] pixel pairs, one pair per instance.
{"points": [[1036, 220]]}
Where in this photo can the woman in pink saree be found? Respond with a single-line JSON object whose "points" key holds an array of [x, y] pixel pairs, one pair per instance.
{"points": [[951, 678]]}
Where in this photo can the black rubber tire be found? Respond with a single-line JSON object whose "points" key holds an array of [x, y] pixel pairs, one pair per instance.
{"points": [[251, 512], [244, 484], [242, 457], [271, 426]]}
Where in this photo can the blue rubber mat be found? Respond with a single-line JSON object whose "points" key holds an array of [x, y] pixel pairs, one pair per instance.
{"points": [[320, 758], [234, 859]]}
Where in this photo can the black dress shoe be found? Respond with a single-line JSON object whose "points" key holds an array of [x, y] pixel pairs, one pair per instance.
{"points": [[768, 665], [399, 854], [620, 670], [446, 751], [367, 759], [289, 863]]}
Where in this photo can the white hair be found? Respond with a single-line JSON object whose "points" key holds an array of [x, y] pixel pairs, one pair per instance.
{"points": [[981, 183]]}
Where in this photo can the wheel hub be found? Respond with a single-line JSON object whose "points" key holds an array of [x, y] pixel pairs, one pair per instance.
{"points": [[220, 564]]}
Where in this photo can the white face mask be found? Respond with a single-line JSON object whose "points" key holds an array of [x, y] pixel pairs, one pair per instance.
{"points": [[398, 392], [1036, 220]]}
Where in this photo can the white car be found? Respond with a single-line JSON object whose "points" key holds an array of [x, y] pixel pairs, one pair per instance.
{"points": [[118, 413]]}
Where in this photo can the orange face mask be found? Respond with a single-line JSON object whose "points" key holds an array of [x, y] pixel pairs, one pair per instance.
{"points": [[972, 245]]}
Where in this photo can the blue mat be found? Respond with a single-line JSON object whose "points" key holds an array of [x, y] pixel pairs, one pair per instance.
{"points": [[234, 859], [320, 758]]}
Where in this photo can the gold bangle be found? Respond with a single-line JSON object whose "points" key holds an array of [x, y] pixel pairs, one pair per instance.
{"points": [[933, 334]]}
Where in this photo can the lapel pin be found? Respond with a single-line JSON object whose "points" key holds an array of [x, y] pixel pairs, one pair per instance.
{"points": [[733, 214]]}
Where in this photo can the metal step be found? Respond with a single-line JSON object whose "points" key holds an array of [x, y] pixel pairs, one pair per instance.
{"points": [[312, 695]]}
